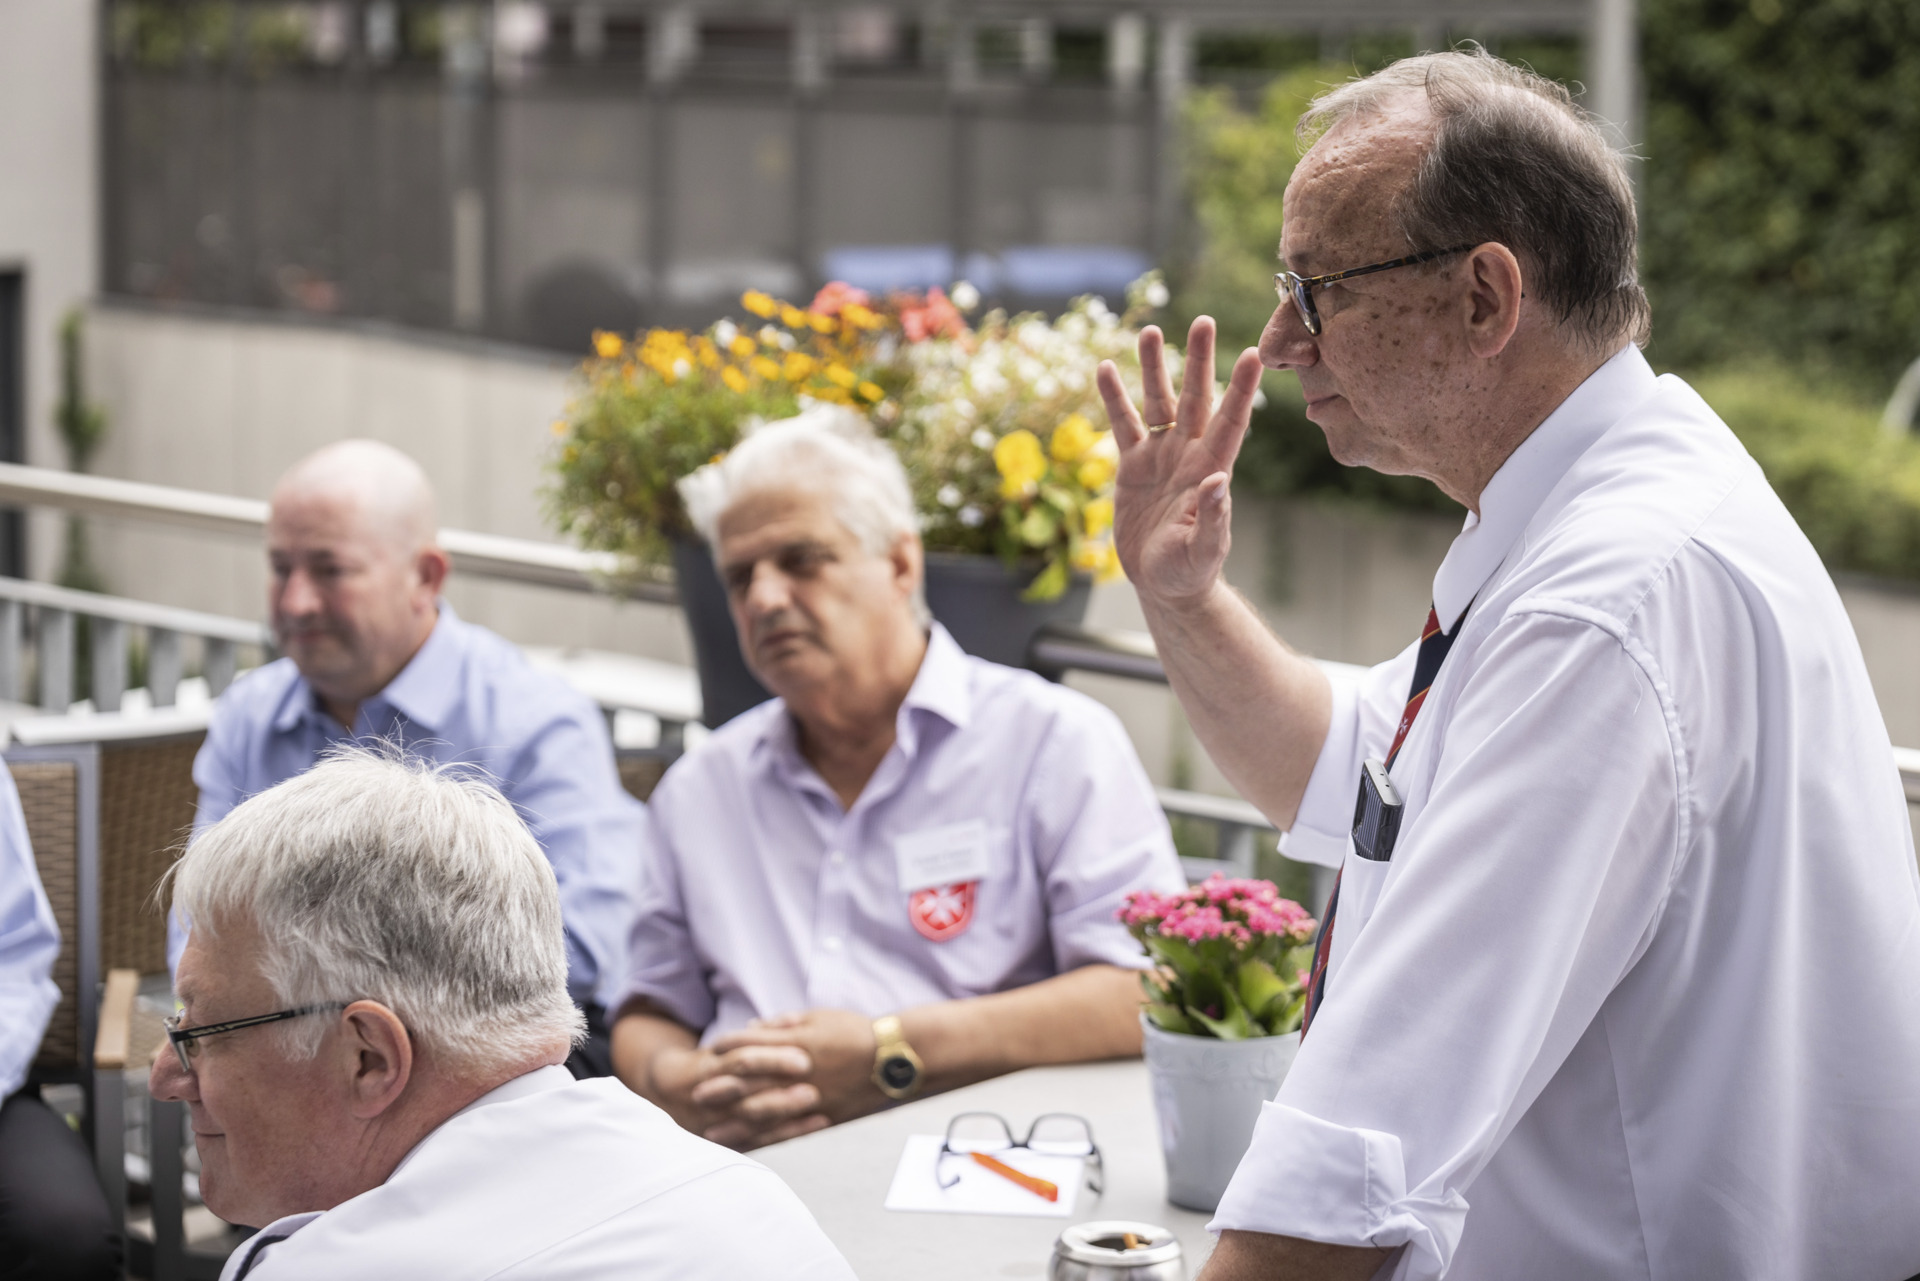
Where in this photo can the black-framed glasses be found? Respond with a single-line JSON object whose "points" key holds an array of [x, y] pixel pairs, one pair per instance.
{"points": [[183, 1038], [1300, 288], [1051, 1134]]}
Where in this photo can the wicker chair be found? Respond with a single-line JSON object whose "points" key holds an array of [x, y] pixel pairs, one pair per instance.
{"points": [[107, 818]]}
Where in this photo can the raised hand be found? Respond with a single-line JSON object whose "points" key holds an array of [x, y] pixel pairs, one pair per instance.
{"points": [[1172, 511]]}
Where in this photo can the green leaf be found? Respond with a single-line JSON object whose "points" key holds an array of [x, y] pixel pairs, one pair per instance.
{"points": [[1169, 1018], [1039, 526], [1236, 1026], [1050, 582], [1259, 986], [1177, 953]]}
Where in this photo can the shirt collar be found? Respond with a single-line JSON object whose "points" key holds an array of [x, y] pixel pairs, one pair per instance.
{"points": [[942, 687], [426, 691], [1508, 503]]}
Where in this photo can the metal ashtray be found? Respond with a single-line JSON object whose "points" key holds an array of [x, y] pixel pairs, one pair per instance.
{"points": [[1114, 1250]]}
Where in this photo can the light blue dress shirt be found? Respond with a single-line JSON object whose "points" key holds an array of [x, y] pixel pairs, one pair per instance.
{"points": [[471, 698], [29, 942]]}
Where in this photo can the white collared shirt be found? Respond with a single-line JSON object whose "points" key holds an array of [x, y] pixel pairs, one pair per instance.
{"points": [[552, 1178], [1638, 995], [763, 896]]}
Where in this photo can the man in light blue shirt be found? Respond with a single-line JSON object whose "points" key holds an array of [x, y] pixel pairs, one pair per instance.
{"points": [[372, 652], [53, 1218]]}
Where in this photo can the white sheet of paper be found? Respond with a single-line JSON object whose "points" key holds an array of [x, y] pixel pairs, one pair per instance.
{"points": [[980, 1190]]}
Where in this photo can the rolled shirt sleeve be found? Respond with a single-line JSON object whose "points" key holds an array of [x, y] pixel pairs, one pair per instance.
{"points": [[29, 945], [1522, 891], [664, 964]]}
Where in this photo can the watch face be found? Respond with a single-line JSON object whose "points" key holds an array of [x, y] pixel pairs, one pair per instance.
{"points": [[898, 1072]]}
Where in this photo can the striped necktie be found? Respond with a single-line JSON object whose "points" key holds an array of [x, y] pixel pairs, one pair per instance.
{"points": [[1434, 645]]}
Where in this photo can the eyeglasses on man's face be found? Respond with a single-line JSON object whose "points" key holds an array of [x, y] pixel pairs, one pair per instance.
{"points": [[1051, 1134], [1300, 288], [186, 1040]]}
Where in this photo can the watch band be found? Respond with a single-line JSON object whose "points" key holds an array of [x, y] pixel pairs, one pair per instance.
{"points": [[897, 1070]]}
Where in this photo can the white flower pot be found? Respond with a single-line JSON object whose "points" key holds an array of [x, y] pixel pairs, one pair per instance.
{"points": [[1208, 1095]]}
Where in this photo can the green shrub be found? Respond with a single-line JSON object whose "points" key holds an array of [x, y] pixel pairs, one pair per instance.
{"points": [[1853, 488]]}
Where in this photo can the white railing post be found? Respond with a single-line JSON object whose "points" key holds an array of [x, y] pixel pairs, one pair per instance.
{"points": [[56, 660], [163, 665], [109, 648], [11, 677], [218, 665]]}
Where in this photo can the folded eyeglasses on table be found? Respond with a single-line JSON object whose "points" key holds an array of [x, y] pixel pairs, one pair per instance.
{"points": [[1051, 1134]]}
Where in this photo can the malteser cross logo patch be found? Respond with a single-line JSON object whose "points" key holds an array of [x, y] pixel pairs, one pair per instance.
{"points": [[942, 911]]}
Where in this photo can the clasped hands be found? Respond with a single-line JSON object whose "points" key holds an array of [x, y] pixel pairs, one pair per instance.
{"points": [[774, 1079], [1171, 506]]}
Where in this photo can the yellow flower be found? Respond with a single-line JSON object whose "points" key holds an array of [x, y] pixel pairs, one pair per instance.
{"points": [[1072, 439], [798, 365], [822, 324], [709, 354], [759, 304], [765, 367], [607, 345], [871, 391], [860, 317], [743, 346], [792, 317], [1088, 557], [733, 378], [1111, 569], [1096, 472], [1021, 462], [840, 374], [1099, 516], [559, 426]]}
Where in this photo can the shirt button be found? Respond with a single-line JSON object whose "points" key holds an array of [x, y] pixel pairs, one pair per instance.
{"points": [[831, 942]]}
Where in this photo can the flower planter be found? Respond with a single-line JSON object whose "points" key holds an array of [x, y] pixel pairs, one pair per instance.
{"points": [[978, 599], [1208, 1094], [727, 688]]}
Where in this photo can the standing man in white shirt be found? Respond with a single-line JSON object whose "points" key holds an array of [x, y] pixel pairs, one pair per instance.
{"points": [[1637, 992], [900, 875], [374, 1015]]}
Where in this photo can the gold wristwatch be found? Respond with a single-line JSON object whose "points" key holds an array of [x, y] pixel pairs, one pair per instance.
{"points": [[896, 1068]]}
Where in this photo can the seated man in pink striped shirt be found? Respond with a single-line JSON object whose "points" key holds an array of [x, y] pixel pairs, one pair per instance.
{"points": [[901, 874]]}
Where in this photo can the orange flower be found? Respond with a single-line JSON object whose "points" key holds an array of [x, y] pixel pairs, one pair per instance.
{"points": [[607, 345]]}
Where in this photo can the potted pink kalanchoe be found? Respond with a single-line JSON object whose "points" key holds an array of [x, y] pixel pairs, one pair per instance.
{"points": [[1222, 1018]]}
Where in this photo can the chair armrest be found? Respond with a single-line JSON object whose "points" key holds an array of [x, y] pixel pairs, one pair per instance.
{"points": [[112, 1044]]}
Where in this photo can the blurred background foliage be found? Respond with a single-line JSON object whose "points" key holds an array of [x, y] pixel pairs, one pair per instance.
{"points": [[1779, 243]]}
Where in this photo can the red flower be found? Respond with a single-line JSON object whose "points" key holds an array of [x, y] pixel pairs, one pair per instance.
{"points": [[835, 295], [932, 317]]}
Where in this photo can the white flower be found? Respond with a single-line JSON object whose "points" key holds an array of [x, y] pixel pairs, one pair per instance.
{"points": [[949, 495], [725, 332], [1046, 387], [681, 369], [972, 517], [965, 296], [1097, 308], [1157, 295], [1259, 398], [982, 439]]}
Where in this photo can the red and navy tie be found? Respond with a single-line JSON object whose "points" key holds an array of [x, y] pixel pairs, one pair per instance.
{"points": [[1434, 645]]}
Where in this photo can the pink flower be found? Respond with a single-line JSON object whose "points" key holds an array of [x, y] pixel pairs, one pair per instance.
{"points": [[835, 295]]}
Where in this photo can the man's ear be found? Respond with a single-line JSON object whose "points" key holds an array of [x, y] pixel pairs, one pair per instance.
{"points": [[909, 562], [432, 565], [1495, 287], [380, 1057]]}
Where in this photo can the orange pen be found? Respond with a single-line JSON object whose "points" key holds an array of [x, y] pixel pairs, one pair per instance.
{"points": [[1039, 1187]]}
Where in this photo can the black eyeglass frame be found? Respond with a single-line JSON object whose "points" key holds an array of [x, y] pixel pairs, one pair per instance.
{"points": [[1299, 289], [182, 1038], [1096, 1165]]}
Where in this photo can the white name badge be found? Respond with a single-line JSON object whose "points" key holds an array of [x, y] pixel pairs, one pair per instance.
{"points": [[941, 855]]}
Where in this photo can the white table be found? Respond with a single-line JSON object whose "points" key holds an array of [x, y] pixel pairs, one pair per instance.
{"points": [[843, 1174]]}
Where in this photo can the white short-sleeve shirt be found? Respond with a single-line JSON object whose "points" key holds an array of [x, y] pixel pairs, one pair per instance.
{"points": [[1638, 995], [991, 849]]}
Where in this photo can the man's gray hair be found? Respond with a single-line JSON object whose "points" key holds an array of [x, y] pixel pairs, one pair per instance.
{"points": [[1515, 162], [828, 449], [371, 877]]}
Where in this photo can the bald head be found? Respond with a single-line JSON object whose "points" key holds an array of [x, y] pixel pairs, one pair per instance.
{"points": [[357, 570], [388, 493]]}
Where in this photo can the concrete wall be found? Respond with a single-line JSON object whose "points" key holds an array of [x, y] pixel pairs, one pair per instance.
{"points": [[49, 212], [225, 405]]}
